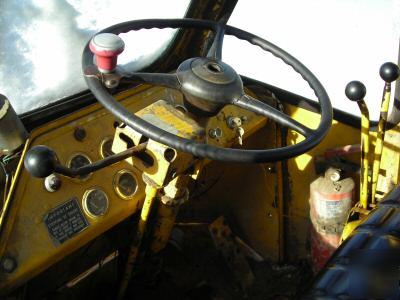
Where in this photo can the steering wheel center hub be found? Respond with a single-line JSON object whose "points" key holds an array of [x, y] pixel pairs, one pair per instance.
{"points": [[208, 84]]}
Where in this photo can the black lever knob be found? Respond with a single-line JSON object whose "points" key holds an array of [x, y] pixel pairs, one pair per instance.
{"points": [[40, 161], [389, 72], [355, 90]]}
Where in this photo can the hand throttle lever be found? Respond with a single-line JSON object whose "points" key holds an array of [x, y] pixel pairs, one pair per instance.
{"points": [[41, 161]]}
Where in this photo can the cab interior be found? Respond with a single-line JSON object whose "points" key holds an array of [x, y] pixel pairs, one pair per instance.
{"points": [[94, 207]]}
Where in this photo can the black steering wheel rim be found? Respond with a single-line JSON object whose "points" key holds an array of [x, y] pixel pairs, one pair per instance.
{"points": [[313, 138]]}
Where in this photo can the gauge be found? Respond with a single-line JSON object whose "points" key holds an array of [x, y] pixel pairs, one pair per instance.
{"points": [[79, 160], [105, 147], [125, 184], [95, 202]]}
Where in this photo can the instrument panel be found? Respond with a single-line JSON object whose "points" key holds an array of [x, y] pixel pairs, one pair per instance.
{"points": [[43, 225]]}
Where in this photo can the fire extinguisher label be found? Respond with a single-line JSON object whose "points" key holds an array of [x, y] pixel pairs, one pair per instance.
{"points": [[334, 209]]}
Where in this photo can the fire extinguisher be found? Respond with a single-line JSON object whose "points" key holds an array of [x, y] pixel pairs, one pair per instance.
{"points": [[331, 198]]}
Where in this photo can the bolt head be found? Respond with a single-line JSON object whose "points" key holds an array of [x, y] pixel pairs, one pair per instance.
{"points": [[111, 83], [215, 133], [52, 183]]}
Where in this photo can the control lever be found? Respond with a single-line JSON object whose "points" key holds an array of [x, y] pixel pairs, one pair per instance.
{"points": [[389, 72], [41, 161], [356, 91]]}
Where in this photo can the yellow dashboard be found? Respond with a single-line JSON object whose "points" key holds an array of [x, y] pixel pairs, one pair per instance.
{"points": [[35, 234]]}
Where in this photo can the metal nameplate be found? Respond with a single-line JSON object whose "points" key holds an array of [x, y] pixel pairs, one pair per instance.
{"points": [[65, 221]]}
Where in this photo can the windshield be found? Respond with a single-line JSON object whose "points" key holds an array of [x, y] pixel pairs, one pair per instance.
{"points": [[41, 43], [338, 40]]}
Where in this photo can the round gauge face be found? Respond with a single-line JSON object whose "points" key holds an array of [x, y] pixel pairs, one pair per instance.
{"points": [[79, 160], [95, 203], [125, 184], [105, 147]]}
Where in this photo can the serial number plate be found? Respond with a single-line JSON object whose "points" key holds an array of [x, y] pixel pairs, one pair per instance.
{"points": [[65, 221]]}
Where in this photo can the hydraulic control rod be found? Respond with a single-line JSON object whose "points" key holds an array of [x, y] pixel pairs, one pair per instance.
{"points": [[151, 193], [389, 72], [41, 161], [355, 91]]}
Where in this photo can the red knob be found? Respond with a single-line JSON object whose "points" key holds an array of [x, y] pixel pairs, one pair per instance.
{"points": [[106, 47]]}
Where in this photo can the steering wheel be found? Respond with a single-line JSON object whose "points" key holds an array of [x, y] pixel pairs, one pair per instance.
{"points": [[208, 84]]}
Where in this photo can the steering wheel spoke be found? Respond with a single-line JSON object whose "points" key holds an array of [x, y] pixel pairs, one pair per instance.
{"points": [[162, 79], [258, 107], [215, 51]]}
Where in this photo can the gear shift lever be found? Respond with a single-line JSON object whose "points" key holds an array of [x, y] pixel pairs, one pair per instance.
{"points": [[355, 91], [389, 72]]}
